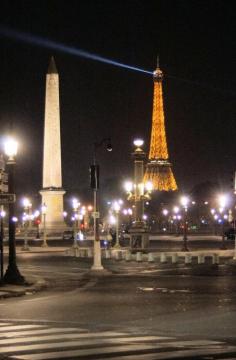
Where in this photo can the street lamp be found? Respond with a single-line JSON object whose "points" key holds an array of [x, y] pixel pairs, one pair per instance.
{"points": [[75, 205], [184, 201], [222, 202], [44, 212], [116, 207], [27, 222], [12, 275], [94, 184]]}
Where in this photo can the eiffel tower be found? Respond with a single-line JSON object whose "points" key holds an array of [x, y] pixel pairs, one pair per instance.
{"points": [[158, 169]]}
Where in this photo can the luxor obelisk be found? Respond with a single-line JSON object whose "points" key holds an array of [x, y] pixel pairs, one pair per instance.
{"points": [[52, 192]]}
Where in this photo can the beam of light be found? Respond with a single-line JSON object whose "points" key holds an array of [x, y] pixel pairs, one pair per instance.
{"points": [[50, 44]]}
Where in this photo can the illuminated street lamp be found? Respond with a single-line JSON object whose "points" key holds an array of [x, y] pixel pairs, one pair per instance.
{"points": [[12, 275], [184, 201], [44, 212], [27, 220]]}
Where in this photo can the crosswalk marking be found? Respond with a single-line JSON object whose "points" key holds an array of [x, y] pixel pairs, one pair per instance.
{"points": [[85, 352], [59, 337], [47, 342], [39, 332], [20, 327], [177, 354], [84, 342]]}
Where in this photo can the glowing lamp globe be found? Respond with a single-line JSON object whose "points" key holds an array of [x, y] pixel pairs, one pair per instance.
{"points": [[116, 206], [44, 209], [138, 142], [10, 147], [128, 186], [26, 202], [184, 201], [149, 186]]}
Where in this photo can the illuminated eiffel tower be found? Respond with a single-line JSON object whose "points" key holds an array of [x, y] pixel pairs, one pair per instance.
{"points": [[158, 169]]}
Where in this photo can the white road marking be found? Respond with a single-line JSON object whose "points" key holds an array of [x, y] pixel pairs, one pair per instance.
{"points": [[66, 344], [69, 336], [84, 352]]}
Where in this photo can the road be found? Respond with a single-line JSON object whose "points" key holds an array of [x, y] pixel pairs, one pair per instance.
{"points": [[139, 302]]}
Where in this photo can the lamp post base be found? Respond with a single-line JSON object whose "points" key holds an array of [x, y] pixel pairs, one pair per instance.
{"points": [[25, 247], [13, 276]]}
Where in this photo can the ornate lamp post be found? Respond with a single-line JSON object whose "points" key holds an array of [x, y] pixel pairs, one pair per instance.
{"points": [[138, 192], [184, 202], [12, 275], [44, 212], [117, 207], [94, 184]]}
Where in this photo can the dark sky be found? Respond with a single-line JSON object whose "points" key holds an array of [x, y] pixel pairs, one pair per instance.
{"points": [[196, 44]]}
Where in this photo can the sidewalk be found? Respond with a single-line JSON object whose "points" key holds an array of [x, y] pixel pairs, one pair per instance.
{"points": [[33, 285]]}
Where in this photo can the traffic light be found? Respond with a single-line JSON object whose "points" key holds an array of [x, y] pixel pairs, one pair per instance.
{"points": [[94, 177]]}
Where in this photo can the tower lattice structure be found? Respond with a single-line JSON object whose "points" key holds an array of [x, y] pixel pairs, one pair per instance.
{"points": [[158, 169]]}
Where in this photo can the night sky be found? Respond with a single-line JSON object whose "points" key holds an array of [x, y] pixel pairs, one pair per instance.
{"points": [[195, 41]]}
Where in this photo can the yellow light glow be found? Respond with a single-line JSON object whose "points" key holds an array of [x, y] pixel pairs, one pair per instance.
{"points": [[184, 200], [149, 186], [10, 147], [128, 185]]}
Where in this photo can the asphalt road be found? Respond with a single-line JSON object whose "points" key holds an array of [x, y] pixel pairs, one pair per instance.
{"points": [[141, 300]]}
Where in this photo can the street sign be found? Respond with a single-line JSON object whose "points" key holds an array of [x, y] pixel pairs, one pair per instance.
{"points": [[7, 198], [96, 214]]}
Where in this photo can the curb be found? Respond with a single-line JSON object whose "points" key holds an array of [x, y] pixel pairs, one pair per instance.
{"points": [[31, 287]]}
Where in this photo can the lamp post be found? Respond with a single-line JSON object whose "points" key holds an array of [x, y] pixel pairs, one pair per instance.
{"points": [[2, 215], [12, 275], [184, 202], [116, 206], [94, 184], [44, 212], [76, 205], [222, 201], [27, 222], [138, 192]]}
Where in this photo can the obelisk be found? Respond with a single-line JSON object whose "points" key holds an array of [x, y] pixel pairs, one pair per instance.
{"points": [[52, 192]]}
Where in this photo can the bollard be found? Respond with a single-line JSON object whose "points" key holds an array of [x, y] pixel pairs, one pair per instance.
{"points": [[150, 257], [163, 258], [174, 258], [76, 252], [90, 253], [82, 253], [188, 259], [127, 255], [118, 255], [215, 259], [138, 256], [201, 259], [107, 254]]}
